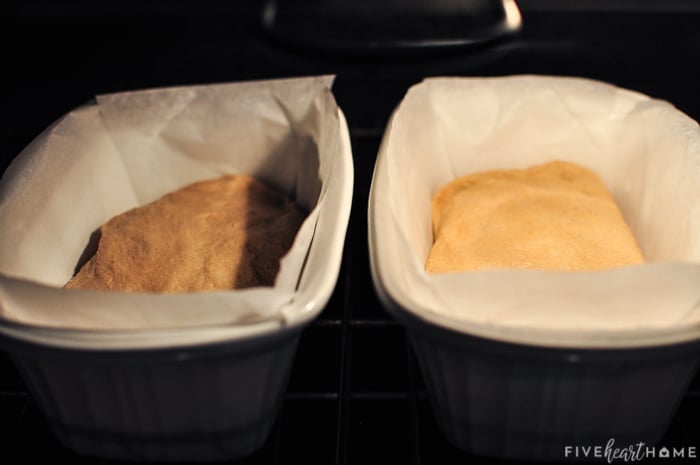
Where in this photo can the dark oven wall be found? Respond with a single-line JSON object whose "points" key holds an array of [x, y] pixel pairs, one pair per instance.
{"points": [[355, 393]]}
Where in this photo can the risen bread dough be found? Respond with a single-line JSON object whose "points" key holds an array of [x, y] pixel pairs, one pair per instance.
{"points": [[556, 216], [218, 234]]}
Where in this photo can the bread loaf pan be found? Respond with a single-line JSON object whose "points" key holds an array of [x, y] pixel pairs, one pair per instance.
{"points": [[207, 402], [513, 386], [191, 393], [516, 401]]}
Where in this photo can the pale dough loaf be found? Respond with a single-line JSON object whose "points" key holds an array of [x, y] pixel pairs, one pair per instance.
{"points": [[556, 216], [217, 234]]}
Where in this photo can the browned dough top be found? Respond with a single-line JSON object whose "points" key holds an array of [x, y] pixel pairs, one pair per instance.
{"points": [[225, 233], [556, 216]]}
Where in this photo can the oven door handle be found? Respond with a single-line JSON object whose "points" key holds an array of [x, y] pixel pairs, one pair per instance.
{"points": [[388, 27]]}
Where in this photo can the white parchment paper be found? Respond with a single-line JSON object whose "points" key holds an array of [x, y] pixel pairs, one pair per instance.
{"points": [[645, 150], [131, 148]]}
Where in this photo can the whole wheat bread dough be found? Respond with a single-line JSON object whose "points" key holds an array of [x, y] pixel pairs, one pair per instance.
{"points": [[556, 216], [225, 233]]}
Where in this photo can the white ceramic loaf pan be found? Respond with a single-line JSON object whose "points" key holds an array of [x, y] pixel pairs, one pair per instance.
{"points": [[210, 392], [502, 388]]}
